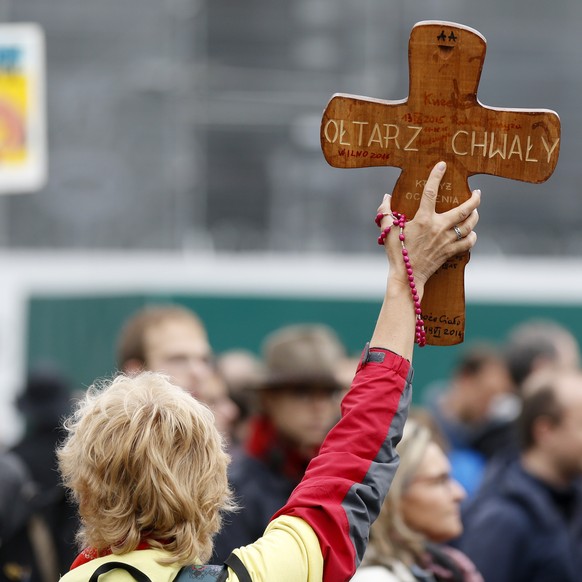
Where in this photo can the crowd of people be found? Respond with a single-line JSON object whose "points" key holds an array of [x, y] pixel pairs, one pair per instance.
{"points": [[304, 462]]}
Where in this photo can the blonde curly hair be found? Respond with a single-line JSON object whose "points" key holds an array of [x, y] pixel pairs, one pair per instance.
{"points": [[145, 462]]}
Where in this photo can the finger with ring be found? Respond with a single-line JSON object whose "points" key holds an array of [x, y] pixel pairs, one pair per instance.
{"points": [[458, 232]]}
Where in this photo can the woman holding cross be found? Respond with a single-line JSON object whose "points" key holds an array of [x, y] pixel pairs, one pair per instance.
{"points": [[148, 468]]}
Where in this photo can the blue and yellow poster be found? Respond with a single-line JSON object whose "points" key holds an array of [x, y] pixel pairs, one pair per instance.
{"points": [[22, 109]]}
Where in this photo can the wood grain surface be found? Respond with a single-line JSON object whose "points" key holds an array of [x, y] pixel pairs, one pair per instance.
{"points": [[441, 119]]}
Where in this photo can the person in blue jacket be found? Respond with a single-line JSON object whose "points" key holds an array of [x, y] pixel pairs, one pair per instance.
{"points": [[525, 523]]}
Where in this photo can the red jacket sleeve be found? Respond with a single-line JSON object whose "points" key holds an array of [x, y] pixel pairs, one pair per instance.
{"points": [[345, 485]]}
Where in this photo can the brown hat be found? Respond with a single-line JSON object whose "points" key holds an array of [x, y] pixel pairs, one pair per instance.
{"points": [[302, 355]]}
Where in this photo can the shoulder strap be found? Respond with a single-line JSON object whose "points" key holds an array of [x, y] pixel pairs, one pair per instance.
{"points": [[235, 563], [201, 573], [104, 568], [214, 573]]}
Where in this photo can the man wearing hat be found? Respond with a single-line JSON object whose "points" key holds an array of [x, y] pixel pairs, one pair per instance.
{"points": [[297, 402]]}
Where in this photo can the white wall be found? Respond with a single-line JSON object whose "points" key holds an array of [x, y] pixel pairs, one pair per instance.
{"points": [[24, 274]]}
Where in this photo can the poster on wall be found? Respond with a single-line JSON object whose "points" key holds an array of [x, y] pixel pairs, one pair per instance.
{"points": [[23, 158]]}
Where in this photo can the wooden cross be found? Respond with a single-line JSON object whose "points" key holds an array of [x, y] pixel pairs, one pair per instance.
{"points": [[442, 119]]}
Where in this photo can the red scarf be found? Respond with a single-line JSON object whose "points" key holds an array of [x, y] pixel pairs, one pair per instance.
{"points": [[266, 444], [89, 554]]}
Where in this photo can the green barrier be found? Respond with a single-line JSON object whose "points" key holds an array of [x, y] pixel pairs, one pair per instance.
{"points": [[79, 333]]}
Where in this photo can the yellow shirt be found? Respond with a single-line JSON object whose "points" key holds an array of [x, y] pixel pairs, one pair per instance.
{"points": [[288, 551]]}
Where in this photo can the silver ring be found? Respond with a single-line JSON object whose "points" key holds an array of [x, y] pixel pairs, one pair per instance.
{"points": [[458, 232]]}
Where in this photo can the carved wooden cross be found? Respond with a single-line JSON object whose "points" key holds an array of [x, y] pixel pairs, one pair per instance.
{"points": [[441, 120]]}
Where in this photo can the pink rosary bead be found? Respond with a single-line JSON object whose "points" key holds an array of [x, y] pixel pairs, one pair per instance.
{"points": [[378, 219], [383, 235]]}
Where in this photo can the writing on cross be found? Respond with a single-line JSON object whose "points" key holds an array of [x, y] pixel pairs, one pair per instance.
{"points": [[441, 119]]}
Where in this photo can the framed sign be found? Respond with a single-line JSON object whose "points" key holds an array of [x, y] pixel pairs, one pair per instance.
{"points": [[23, 158]]}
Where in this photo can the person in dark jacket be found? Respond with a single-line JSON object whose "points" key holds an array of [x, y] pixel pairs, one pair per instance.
{"points": [[27, 552], [44, 402], [524, 525], [298, 402]]}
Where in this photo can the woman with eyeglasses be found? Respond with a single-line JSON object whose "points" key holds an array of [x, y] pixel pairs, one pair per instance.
{"points": [[420, 514]]}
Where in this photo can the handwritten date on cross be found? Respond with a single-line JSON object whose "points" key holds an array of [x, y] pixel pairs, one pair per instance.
{"points": [[442, 119]]}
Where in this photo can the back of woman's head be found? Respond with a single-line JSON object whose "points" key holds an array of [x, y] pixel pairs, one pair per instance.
{"points": [[391, 539], [145, 463]]}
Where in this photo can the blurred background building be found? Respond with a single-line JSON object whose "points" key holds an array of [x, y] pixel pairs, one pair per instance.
{"points": [[194, 125]]}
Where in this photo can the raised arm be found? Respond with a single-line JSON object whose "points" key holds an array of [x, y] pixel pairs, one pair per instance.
{"points": [[345, 485]]}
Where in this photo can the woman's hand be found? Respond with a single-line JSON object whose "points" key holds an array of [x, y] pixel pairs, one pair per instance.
{"points": [[431, 238]]}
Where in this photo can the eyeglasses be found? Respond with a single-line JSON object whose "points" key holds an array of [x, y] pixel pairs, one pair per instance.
{"points": [[443, 480]]}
